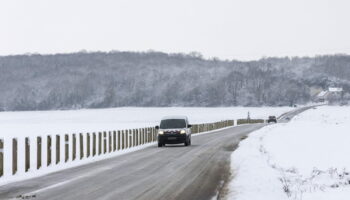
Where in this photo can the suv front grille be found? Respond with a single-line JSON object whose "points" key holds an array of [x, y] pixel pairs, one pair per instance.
{"points": [[171, 132]]}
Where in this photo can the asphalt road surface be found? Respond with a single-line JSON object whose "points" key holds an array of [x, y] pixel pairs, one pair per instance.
{"points": [[198, 171]]}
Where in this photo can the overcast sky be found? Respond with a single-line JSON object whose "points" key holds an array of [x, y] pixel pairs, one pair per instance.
{"points": [[228, 29]]}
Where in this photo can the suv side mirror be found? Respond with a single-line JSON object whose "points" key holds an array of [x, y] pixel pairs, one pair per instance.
{"points": [[157, 127], [189, 126]]}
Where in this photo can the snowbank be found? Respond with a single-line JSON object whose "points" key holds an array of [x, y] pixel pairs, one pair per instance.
{"points": [[304, 159]]}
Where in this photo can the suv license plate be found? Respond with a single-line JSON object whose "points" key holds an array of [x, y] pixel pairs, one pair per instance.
{"points": [[171, 138]]}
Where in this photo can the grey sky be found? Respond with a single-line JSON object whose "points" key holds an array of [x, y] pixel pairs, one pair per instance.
{"points": [[233, 29]]}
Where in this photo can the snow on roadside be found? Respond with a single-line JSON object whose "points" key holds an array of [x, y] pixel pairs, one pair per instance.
{"points": [[305, 159]]}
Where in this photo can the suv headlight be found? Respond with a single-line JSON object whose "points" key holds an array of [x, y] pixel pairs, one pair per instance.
{"points": [[182, 131], [160, 132]]}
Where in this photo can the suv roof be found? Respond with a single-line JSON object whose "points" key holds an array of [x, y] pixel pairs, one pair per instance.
{"points": [[175, 117]]}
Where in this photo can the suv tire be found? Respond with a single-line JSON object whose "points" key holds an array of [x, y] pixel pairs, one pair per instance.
{"points": [[187, 141]]}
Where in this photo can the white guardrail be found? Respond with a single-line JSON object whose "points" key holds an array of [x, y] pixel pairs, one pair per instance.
{"points": [[22, 155]]}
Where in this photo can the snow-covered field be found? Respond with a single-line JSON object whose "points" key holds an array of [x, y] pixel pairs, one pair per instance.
{"points": [[74, 121], [306, 159]]}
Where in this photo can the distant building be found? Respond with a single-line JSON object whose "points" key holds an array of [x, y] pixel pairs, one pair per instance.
{"points": [[335, 90], [333, 93]]}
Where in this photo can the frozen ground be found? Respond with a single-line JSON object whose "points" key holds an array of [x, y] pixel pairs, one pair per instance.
{"points": [[59, 122], [306, 159]]}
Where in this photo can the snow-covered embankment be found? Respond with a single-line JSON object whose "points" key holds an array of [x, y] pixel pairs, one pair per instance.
{"points": [[307, 158]]}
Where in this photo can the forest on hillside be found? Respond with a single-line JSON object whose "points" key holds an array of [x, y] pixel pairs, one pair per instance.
{"points": [[115, 79]]}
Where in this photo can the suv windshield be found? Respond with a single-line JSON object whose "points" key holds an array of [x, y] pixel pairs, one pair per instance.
{"points": [[172, 123]]}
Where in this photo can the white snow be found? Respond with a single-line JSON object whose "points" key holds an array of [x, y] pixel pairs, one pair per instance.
{"points": [[306, 159]]}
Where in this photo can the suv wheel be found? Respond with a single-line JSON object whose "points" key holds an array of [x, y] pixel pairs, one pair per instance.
{"points": [[187, 141], [160, 144]]}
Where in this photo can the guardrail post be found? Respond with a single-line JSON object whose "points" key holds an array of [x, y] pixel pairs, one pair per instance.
{"points": [[133, 137], [104, 142], [74, 146], [137, 139], [123, 139], [148, 132], [130, 138], [88, 146], [66, 148], [119, 141], [144, 136], [27, 154], [57, 149], [44, 152], [126, 139], [109, 141], [141, 135], [33, 153], [1, 157], [14, 155], [99, 143], [94, 144], [49, 150], [149, 135], [39, 152], [154, 134], [81, 144], [114, 140]]}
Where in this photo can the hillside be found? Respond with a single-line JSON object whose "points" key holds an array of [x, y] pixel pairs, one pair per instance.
{"points": [[114, 79]]}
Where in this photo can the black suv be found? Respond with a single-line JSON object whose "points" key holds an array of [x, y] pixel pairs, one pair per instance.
{"points": [[174, 130], [272, 119]]}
